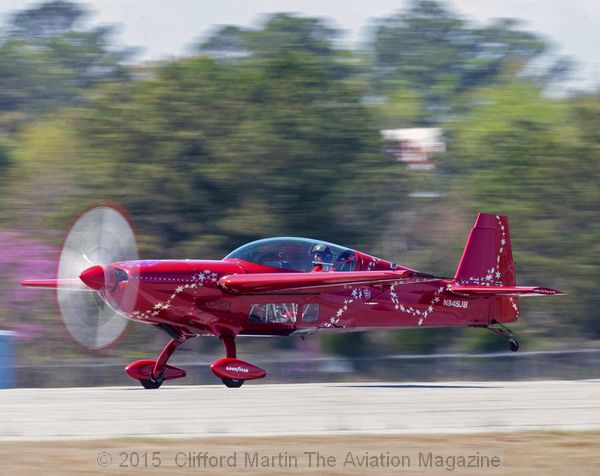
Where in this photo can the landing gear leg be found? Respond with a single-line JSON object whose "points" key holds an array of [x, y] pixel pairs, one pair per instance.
{"points": [[504, 331], [230, 352], [156, 379], [151, 374]]}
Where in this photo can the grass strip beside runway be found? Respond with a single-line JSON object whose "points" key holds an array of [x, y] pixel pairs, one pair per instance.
{"points": [[531, 453]]}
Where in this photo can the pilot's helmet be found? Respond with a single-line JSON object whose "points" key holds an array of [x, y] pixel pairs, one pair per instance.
{"points": [[321, 253]]}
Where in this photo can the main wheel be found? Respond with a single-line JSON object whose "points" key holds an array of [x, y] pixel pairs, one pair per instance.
{"points": [[514, 345], [232, 383], [152, 383]]}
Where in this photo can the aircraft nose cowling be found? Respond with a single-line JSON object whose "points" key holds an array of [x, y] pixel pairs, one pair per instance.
{"points": [[93, 277]]}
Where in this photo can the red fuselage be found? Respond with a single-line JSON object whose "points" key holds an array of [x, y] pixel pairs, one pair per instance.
{"points": [[187, 294]]}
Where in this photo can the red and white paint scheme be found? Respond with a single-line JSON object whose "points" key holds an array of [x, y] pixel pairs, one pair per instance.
{"points": [[272, 287]]}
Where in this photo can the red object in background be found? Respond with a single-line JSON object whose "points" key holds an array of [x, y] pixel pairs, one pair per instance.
{"points": [[269, 287]]}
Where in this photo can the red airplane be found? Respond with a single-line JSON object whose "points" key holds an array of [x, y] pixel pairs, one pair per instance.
{"points": [[271, 287]]}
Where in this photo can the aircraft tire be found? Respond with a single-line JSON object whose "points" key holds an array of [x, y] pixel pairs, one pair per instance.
{"points": [[151, 384], [232, 383]]}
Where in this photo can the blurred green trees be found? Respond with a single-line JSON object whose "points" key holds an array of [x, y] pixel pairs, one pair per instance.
{"points": [[275, 131], [49, 59], [430, 53], [227, 150]]}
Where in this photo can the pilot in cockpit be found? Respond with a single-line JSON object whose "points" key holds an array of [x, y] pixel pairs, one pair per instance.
{"points": [[322, 257]]}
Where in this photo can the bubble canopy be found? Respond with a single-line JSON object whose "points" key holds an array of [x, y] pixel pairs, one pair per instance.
{"points": [[292, 253]]}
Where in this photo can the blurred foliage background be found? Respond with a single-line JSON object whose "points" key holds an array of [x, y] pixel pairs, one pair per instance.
{"points": [[274, 130]]}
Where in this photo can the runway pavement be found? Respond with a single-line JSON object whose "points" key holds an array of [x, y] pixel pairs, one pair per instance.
{"points": [[260, 409]]}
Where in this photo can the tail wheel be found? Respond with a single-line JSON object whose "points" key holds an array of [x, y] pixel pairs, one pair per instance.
{"points": [[233, 383], [514, 345]]}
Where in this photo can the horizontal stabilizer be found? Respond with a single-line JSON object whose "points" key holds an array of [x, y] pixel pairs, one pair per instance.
{"points": [[71, 284], [503, 290], [299, 282]]}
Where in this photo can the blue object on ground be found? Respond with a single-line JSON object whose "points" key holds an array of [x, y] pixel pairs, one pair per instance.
{"points": [[7, 359]]}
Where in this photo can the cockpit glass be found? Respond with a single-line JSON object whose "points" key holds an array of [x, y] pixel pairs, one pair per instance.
{"points": [[296, 254]]}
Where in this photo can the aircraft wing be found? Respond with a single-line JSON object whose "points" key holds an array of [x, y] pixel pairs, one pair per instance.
{"points": [[306, 282]]}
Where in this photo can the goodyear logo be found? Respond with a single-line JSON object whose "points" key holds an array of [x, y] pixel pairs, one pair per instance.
{"points": [[236, 369]]}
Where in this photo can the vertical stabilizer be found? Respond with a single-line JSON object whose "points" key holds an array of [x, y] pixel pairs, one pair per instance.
{"points": [[487, 258]]}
